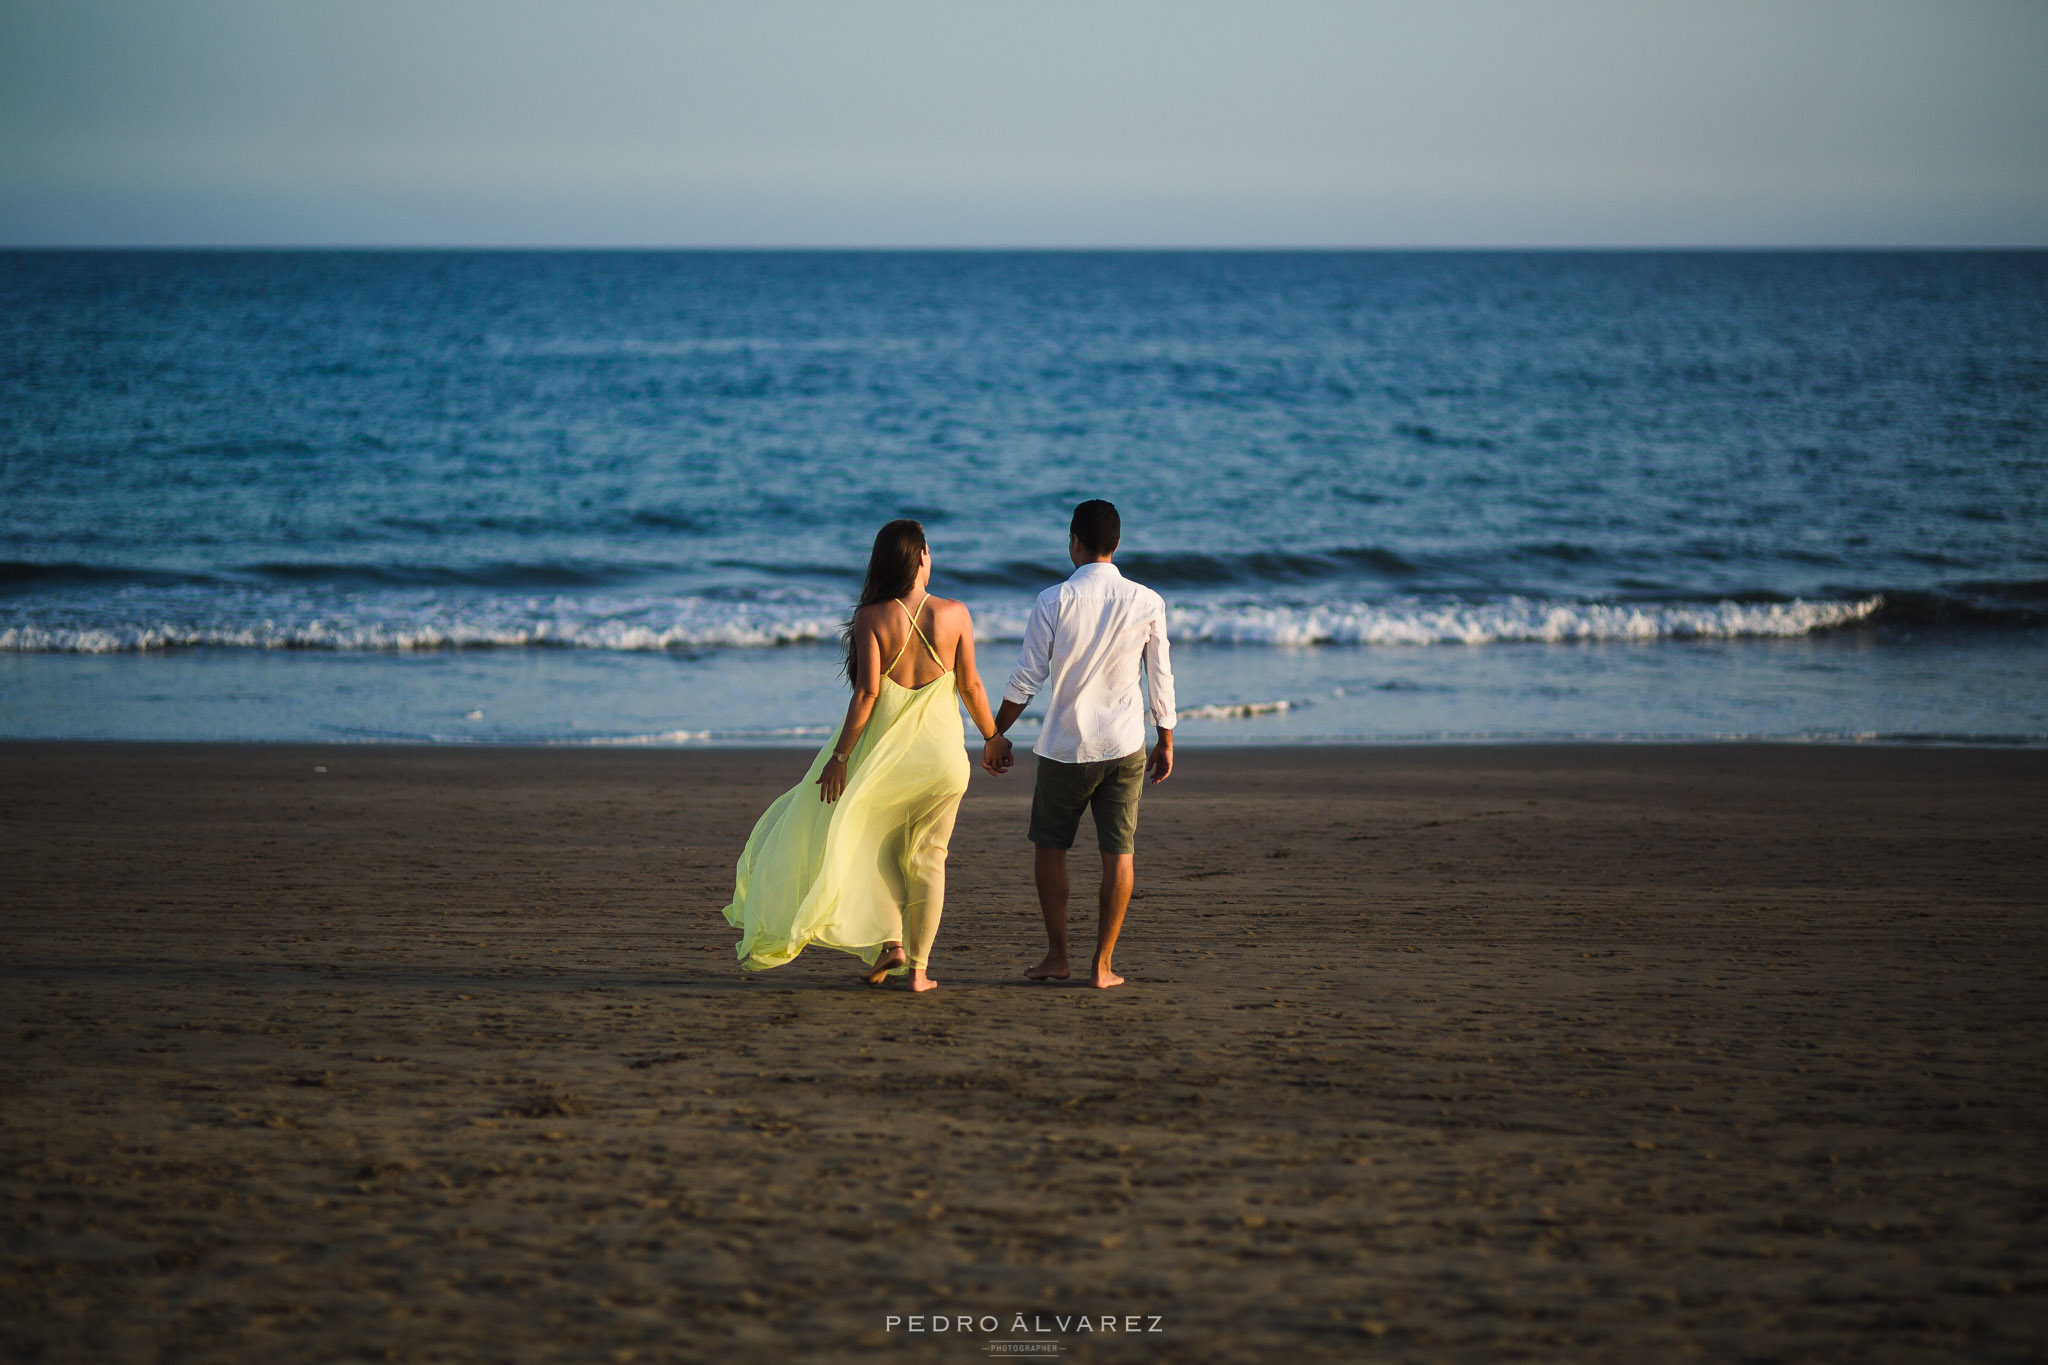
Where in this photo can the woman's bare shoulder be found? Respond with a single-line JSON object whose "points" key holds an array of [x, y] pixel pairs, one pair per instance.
{"points": [[948, 609], [874, 614]]}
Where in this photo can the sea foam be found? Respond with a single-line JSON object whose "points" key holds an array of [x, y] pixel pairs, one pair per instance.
{"points": [[140, 620], [1514, 620], [1237, 710]]}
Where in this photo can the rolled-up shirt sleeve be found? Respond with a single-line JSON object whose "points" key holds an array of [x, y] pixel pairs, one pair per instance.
{"points": [[1159, 671], [1034, 659]]}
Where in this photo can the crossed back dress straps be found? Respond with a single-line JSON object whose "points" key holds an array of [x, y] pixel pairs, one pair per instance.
{"points": [[919, 632]]}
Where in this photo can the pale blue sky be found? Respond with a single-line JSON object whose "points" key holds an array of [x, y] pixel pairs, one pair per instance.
{"points": [[953, 122]]}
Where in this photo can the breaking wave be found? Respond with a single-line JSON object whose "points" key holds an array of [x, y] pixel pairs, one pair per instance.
{"points": [[1517, 620], [1236, 710], [139, 618]]}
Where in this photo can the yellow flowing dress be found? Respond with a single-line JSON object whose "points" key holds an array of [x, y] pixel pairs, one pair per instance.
{"points": [[869, 868]]}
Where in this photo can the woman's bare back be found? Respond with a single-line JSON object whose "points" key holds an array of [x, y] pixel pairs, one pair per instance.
{"points": [[943, 621]]}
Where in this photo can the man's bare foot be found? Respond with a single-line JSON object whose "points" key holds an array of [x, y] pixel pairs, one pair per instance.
{"points": [[920, 982], [1103, 979], [889, 961], [1054, 968]]}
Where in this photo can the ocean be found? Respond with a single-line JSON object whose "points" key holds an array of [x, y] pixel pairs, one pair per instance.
{"points": [[625, 498]]}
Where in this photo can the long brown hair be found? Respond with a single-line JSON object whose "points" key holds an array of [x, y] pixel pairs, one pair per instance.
{"points": [[892, 572]]}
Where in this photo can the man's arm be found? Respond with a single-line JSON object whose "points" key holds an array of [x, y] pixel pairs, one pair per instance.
{"points": [[1034, 661], [1159, 766], [1159, 683]]}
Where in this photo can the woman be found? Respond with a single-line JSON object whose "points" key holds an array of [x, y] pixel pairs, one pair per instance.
{"points": [[854, 856]]}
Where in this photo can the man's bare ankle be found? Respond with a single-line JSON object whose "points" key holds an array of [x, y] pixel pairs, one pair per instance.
{"points": [[1053, 967]]}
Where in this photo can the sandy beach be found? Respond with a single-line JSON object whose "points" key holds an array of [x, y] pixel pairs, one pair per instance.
{"points": [[1579, 1053]]}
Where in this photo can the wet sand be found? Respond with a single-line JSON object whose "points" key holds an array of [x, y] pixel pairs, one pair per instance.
{"points": [[1578, 1053]]}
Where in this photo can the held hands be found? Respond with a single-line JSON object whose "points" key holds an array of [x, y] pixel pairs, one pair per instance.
{"points": [[996, 757], [832, 781]]}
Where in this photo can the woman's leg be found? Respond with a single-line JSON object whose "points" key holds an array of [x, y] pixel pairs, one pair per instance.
{"points": [[888, 960], [924, 885], [890, 894]]}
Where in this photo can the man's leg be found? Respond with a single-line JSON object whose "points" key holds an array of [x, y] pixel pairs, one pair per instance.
{"points": [[1058, 795], [1118, 873], [1115, 804], [1049, 870]]}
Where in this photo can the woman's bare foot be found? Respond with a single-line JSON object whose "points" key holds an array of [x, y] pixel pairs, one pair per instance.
{"points": [[1054, 968], [889, 961], [920, 982], [1103, 978]]}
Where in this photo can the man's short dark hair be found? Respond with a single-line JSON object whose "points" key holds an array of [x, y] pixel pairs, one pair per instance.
{"points": [[1097, 527]]}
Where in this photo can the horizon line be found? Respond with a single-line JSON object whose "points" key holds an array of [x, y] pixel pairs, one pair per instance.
{"points": [[1049, 249]]}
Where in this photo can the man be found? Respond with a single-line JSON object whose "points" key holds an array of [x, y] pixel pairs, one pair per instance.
{"points": [[1087, 638]]}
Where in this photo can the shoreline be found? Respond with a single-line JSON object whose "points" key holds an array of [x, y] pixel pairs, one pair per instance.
{"points": [[1966, 686], [2021, 743]]}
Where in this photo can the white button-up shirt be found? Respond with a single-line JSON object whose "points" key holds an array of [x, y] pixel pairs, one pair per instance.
{"points": [[1086, 638]]}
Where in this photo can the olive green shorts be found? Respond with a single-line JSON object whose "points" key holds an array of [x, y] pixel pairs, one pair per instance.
{"points": [[1110, 788]]}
